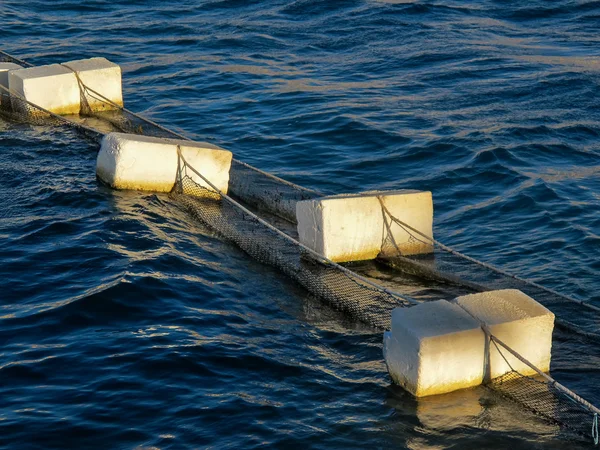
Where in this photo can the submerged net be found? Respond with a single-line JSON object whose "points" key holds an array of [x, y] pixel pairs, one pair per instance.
{"points": [[545, 397], [356, 295]]}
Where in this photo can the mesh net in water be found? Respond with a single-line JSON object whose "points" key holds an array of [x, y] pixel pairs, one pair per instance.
{"points": [[342, 288]]}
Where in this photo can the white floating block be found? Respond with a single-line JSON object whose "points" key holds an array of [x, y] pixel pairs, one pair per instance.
{"points": [[102, 76], [518, 321], [4, 68], [351, 227], [130, 161], [434, 348], [52, 87]]}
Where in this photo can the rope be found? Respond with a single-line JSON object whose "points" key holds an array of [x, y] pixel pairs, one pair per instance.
{"points": [[486, 265], [17, 60], [389, 228]]}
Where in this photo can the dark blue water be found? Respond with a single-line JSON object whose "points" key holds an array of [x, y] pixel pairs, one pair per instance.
{"points": [[126, 324]]}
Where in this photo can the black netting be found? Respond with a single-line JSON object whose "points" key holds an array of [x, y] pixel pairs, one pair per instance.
{"points": [[341, 290], [543, 399], [360, 301], [16, 109]]}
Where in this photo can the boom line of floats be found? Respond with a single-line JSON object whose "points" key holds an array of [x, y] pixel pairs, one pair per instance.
{"points": [[432, 348]]}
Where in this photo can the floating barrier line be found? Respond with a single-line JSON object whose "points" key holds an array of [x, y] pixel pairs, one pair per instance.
{"points": [[295, 186], [368, 284]]}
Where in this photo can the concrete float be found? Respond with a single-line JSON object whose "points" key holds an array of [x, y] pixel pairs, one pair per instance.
{"points": [[353, 227], [52, 87], [145, 163], [56, 87], [440, 347]]}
